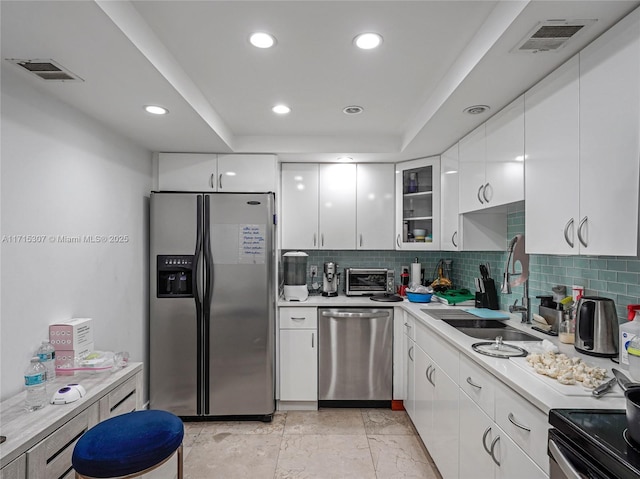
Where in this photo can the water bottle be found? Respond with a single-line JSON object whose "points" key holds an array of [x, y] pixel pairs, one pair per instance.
{"points": [[35, 384], [47, 355]]}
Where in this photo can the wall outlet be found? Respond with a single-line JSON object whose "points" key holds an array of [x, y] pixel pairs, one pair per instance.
{"points": [[313, 270]]}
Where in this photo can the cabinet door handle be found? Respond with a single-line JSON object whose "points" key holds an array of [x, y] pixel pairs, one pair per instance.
{"points": [[484, 439], [471, 383], [322, 239], [453, 238], [315, 239], [431, 379], [493, 445], [220, 181], [479, 190], [582, 224], [361, 240], [398, 241], [212, 181], [566, 232], [313, 340], [516, 423], [484, 192], [409, 352]]}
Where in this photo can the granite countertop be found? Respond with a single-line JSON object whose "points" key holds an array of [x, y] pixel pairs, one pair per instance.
{"points": [[540, 391], [25, 429]]}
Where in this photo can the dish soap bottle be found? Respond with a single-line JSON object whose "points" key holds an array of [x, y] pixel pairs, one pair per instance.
{"points": [[628, 331]]}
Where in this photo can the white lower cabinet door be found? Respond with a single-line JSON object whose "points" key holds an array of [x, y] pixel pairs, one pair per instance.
{"points": [[513, 462], [410, 402], [298, 365], [446, 419], [424, 392], [477, 431]]}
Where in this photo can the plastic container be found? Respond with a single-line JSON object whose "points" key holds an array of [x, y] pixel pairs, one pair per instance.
{"points": [[35, 384], [628, 331], [47, 354], [419, 297], [633, 351]]}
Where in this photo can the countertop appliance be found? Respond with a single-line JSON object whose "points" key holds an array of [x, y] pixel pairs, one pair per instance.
{"points": [[368, 281], [596, 327], [355, 356], [330, 279], [212, 304], [591, 443], [295, 276]]}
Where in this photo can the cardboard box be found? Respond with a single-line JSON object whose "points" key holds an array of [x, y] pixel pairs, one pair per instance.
{"points": [[66, 358], [73, 335]]}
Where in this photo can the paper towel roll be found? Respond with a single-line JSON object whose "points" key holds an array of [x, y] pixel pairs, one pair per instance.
{"points": [[416, 271]]}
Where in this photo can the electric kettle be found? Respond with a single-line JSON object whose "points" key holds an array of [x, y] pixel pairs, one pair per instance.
{"points": [[596, 327]]}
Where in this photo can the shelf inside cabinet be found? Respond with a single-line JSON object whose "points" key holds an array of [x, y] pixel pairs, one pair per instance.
{"points": [[419, 193]]}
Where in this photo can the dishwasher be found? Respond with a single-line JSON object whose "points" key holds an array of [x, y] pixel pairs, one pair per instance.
{"points": [[355, 357]]}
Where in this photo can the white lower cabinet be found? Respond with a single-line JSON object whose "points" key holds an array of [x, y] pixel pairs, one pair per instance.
{"points": [[298, 358], [16, 469]]}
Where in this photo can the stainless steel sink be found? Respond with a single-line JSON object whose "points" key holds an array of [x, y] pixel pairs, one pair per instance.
{"points": [[489, 329]]}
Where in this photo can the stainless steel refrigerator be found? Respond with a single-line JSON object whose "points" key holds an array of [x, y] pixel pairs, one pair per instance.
{"points": [[212, 304]]}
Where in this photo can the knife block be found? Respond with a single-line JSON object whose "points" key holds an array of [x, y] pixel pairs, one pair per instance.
{"points": [[488, 299]]}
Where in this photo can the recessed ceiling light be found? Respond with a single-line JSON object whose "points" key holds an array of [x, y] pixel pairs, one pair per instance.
{"points": [[281, 109], [352, 110], [476, 109], [262, 40], [368, 41], [156, 110], [345, 158]]}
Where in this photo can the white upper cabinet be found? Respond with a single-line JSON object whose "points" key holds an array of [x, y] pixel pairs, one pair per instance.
{"points": [[337, 206], [187, 171], [610, 141], [211, 172], [583, 150], [299, 205], [472, 157], [492, 161], [505, 155], [449, 238], [418, 204], [552, 165], [247, 173], [375, 206]]}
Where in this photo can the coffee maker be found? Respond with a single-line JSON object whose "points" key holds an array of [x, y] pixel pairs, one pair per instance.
{"points": [[330, 279]]}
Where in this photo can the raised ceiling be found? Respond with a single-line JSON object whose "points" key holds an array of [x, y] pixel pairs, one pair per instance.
{"points": [[193, 57]]}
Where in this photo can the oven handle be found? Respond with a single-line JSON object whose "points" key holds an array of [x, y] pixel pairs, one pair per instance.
{"points": [[563, 463], [343, 314]]}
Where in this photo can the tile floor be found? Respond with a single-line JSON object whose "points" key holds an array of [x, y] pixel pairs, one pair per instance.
{"points": [[329, 443]]}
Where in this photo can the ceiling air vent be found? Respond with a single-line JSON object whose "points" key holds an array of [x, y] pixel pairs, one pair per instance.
{"points": [[551, 35], [46, 69]]}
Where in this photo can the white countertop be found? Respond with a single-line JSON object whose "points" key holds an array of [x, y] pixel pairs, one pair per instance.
{"points": [[536, 389]]}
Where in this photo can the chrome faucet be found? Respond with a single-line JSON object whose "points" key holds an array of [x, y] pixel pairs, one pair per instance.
{"points": [[517, 251]]}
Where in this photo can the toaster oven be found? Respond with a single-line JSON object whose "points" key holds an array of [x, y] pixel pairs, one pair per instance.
{"points": [[368, 281]]}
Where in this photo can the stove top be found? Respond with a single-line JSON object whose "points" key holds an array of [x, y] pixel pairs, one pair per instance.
{"points": [[601, 433]]}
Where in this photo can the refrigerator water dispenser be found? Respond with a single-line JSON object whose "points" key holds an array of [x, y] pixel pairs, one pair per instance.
{"points": [[175, 276]]}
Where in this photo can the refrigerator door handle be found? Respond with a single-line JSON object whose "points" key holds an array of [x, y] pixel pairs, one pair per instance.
{"points": [[208, 291], [196, 296]]}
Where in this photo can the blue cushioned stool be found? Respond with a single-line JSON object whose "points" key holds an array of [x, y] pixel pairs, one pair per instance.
{"points": [[129, 445]]}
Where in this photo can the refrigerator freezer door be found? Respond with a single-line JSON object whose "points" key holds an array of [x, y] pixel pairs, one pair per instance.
{"points": [[241, 329], [173, 328]]}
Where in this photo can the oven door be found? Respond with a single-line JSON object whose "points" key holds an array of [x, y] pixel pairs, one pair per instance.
{"points": [[566, 461]]}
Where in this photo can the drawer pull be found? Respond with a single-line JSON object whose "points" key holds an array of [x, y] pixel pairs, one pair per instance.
{"points": [[516, 423], [471, 383], [484, 439], [298, 319], [493, 446]]}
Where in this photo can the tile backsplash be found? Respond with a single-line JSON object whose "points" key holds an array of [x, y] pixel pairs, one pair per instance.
{"points": [[614, 277]]}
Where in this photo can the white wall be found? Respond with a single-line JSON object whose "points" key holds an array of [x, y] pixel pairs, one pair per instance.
{"points": [[65, 174]]}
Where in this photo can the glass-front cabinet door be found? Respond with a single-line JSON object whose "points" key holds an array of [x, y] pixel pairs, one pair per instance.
{"points": [[418, 204]]}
